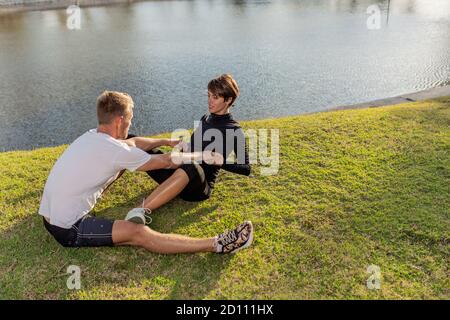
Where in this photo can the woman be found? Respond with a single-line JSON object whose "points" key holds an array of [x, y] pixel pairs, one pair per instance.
{"points": [[217, 132]]}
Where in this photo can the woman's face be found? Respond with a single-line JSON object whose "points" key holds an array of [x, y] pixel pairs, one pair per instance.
{"points": [[217, 104]]}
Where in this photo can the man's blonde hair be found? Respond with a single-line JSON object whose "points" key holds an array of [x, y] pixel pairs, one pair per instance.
{"points": [[111, 104]]}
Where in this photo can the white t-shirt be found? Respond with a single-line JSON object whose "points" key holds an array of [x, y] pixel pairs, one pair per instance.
{"points": [[83, 171]]}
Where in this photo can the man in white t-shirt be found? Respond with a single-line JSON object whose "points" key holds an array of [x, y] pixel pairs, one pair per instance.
{"points": [[95, 160]]}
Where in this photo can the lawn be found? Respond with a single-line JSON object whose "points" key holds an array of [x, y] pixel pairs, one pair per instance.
{"points": [[354, 188]]}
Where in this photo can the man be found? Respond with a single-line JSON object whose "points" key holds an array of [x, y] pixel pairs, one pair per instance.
{"points": [[92, 162]]}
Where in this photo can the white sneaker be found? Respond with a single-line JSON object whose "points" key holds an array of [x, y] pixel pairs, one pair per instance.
{"points": [[139, 216]]}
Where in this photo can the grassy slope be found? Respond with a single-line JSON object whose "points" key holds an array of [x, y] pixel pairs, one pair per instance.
{"points": [[355, 188]]}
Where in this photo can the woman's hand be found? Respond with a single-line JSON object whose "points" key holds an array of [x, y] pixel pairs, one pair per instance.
{"points": [[182, 146], [212, 158]]}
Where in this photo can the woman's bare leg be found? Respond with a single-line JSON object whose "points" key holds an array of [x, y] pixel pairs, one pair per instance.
{"points": [[129, 233], [167, 190]]}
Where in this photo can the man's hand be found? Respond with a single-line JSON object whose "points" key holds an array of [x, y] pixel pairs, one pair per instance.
{"points": [[173, 142]]}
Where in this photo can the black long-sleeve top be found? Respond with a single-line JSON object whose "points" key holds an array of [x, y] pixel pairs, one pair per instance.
{"points": [[213, 128]]}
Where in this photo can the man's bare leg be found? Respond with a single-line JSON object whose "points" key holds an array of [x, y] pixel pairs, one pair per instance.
{"points": [[167, 190], [129, 233]]}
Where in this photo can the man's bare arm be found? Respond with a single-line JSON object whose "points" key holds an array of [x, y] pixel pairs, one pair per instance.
{"points": [[173, 160], [158, 161], [147, 144]]}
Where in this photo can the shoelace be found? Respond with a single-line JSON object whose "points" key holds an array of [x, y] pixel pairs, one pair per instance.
{"points": [[147, 213], [228, 237]]}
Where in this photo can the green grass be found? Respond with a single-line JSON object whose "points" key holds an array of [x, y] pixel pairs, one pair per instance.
{"points": [[355, 188]]}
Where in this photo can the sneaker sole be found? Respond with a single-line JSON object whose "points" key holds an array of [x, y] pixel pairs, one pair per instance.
{"points": [[136, 220], [249, 241]]}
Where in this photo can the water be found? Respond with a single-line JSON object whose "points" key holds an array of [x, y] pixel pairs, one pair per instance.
{"points": [[289, 57]]}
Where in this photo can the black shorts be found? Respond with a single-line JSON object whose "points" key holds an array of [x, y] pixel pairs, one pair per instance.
{"points": [[89, 231], [197, 189]]}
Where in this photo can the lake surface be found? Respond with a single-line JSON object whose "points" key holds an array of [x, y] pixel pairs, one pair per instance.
{"points": [[288, 57]]}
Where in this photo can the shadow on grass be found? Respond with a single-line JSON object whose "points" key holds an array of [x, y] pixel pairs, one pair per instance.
{"points": [[164, 219], [36, 267]]}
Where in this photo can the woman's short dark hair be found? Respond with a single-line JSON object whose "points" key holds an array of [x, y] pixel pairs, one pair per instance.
{"points": [[224, 86]]}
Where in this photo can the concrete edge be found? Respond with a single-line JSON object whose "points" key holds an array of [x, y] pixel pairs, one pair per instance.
{"points": [[44, 5], [427, 94]]}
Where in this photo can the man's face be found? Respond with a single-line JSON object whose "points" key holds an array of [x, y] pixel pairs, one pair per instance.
{"points": [[125, 124], [217, 104]]}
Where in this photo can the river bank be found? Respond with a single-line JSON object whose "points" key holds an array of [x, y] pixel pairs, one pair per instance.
{"points": [[427, 94], [25, 5]]}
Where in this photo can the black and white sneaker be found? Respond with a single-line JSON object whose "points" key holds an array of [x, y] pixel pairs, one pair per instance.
{"points": [[235, 240]]}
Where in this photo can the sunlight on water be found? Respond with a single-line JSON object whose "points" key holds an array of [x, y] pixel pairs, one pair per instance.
{"points": [[289, 57]]}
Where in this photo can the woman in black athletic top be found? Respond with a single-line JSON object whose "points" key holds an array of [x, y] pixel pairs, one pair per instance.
{"points": [[218, 132]]}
